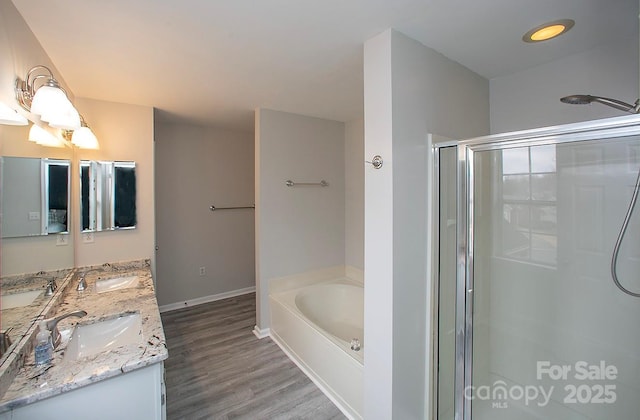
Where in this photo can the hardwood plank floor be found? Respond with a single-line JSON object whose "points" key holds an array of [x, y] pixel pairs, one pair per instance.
{"points": [[217, 368]]}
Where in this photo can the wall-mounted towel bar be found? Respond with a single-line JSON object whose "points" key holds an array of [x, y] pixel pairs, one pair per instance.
{"points": [[213, 208], [322, 183]]}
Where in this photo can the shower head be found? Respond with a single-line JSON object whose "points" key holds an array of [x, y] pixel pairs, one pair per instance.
{"points": [[577, 99], [614, 103]]}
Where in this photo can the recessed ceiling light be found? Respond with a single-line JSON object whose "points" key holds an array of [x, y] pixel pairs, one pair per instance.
{"points": [[548, 30]]}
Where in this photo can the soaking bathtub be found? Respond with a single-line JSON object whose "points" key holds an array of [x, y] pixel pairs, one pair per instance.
{"points": [[315, 326]]}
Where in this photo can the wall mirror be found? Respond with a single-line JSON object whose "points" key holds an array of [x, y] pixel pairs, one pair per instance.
{"points": [[107, 195], [35, 222], [35, 196]]}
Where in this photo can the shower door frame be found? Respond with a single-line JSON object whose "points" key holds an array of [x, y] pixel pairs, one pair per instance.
{"points": [[570, 133]]}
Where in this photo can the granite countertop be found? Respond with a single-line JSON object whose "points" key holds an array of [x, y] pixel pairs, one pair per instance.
{"points": [[20, 318], [33, 383]]}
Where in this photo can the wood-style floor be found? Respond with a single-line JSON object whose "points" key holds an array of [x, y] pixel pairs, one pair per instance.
{"points": [[217, 368]]}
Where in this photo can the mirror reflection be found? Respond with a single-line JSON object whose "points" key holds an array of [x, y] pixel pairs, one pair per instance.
{"points": [[107, 195], [22, 300], [35, 196]]}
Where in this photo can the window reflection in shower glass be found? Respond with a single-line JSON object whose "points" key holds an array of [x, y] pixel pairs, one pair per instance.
{"points": [[515, 187], [543, 187], [543, 159], [515, 161], [528, 195], [542, 287]]}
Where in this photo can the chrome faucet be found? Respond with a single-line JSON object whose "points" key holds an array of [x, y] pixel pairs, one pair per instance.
{"points": [[51, 284], [82, 283], [52, 325]]}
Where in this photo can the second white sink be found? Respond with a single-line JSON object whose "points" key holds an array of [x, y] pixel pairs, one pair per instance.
{"points": [[17, 300], [117, 283], [90, 339]]}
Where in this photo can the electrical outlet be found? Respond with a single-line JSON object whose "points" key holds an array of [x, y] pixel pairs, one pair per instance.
{"points": [[87, 237], [203, 271], [62, 240], [34, 215]]}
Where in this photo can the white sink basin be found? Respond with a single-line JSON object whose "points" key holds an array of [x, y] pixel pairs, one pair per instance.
{"points": [[117, 283], [17, 300], [90, 339]]}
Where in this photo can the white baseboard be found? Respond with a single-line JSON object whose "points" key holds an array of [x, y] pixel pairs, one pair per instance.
{"points": [[261, 333], [206, 299]]}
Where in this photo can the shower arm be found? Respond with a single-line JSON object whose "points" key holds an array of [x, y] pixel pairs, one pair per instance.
{"points": [[622, 106]]}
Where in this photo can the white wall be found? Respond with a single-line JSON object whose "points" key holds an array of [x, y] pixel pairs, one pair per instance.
{"points": [[354, 193], [197, 167], [297, 228], [378, 230], [410, 90], [531, 98], [125, 132]]}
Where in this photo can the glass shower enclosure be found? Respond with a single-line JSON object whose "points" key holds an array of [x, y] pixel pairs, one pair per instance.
{"points": [[530, 323]]}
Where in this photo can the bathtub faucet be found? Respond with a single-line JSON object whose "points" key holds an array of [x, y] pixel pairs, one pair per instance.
{"points": [[355, 344]]}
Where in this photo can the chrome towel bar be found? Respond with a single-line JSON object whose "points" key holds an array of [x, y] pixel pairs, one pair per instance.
{"points": [[213, 208], [322, 183]]}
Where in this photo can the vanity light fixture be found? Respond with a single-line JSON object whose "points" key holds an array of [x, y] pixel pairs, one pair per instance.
{"points": [[548, 30], [41, 94], [43, 137], [84, 138], [9, 116]]}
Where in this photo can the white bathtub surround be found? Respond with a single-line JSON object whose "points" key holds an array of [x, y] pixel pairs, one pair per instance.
{"points": [[355, 274], [307, 278], [338, 309], [313, 322]]}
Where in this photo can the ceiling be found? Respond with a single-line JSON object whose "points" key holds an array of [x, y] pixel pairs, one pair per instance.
{"points": [[212, 62]]}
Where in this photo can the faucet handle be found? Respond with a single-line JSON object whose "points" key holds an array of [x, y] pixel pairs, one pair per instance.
{"points": [[51, 286], [82, 284], [52, 325]]}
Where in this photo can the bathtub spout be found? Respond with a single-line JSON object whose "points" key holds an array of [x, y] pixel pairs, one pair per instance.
{"points": [[355, 344]]}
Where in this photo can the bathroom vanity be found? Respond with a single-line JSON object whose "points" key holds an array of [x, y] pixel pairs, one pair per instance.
{"points": [[108, 364]]}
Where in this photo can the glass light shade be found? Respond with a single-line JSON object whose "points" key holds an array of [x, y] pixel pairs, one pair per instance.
{"points": [[84, 138], [48, 99], [68, 118], [42, 137], [9, 116]]}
